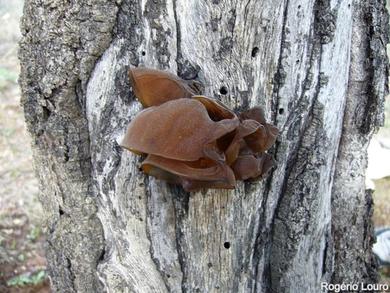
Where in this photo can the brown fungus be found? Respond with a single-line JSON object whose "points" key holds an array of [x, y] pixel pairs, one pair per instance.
{"points": [[186, 174], [265, 136], [251, 166], [195, 185], [178, 129], [192, 140], [246, 128], [154, 87], [216, 110], [203, 169]]}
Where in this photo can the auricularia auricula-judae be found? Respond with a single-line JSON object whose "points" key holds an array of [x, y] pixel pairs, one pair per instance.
{"points": [[192, 140]]}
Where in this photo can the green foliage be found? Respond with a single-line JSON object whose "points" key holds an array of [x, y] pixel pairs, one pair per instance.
{"points": [[34, 234], [25, 280]]}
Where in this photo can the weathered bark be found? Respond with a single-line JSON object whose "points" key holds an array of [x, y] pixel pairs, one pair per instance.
{"points": [[368, 75], [318, 67]]}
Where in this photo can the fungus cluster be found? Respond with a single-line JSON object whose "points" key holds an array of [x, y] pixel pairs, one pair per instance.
{"points": [[192, 140]]}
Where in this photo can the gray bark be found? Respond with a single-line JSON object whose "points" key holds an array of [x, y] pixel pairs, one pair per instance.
{"points": [[317, 67]]}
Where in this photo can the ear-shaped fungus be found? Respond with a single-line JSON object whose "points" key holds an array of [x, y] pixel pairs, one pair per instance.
{"points": [[179, 129], [154, 87], [245, 129], [251, 166], [204, 169], [265, 136], [193, 140], [217, 111], [181, 142]]}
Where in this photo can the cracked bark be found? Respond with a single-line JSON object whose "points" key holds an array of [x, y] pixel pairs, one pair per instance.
{"points": [[318, 67]]}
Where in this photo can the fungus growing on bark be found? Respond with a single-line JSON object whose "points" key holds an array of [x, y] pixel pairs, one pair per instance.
{"points": [[154, 87], [179, 129], [193, 140], [265, 136]]}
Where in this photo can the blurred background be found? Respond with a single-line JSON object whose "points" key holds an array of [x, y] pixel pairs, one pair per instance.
{"points": [[22, 262]]}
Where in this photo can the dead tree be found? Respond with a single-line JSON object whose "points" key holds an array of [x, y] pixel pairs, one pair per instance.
{"points": [[318, 68]]}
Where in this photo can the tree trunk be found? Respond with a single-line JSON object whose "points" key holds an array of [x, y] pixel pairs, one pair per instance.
{"points": [[317, 67]]}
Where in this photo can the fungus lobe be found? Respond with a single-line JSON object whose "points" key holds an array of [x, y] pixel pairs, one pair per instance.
{"points": [[178, 129], [154, 87]]}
